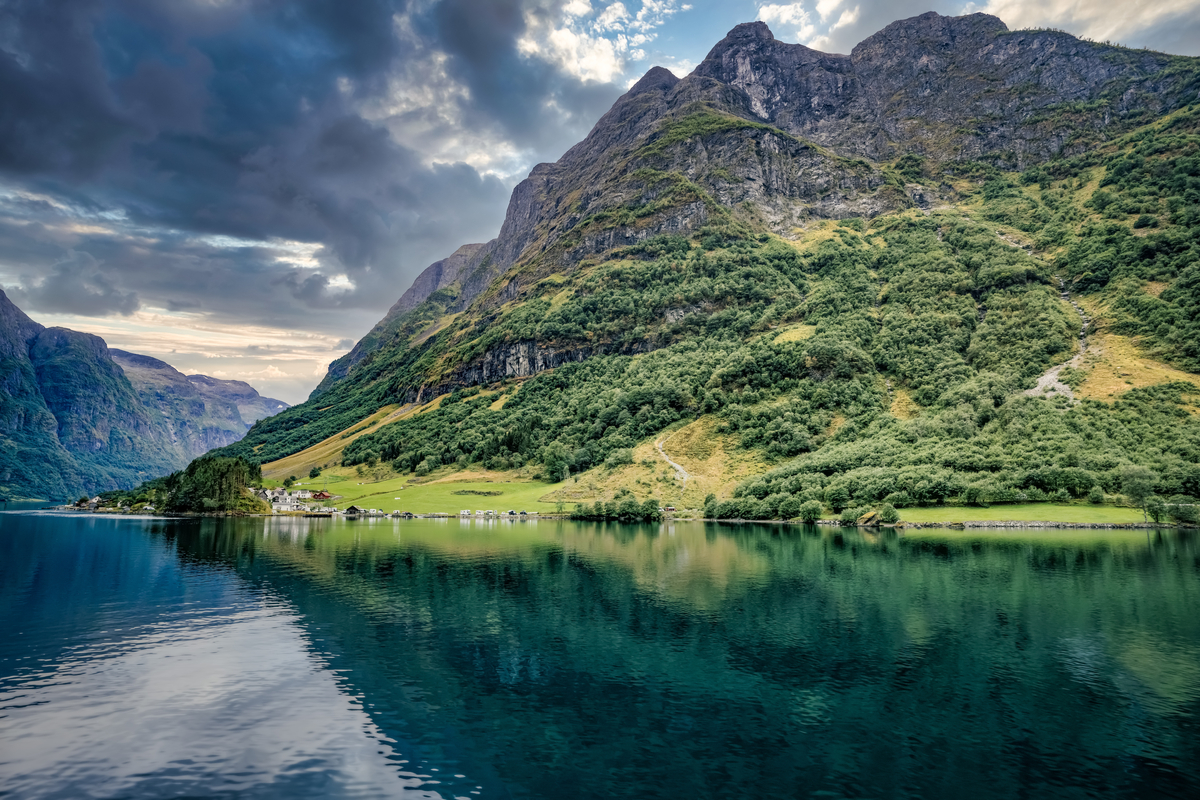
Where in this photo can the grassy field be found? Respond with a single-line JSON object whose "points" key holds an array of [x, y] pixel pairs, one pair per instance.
{"points": [[1115, 365], [398, 494], [1026, 512]]}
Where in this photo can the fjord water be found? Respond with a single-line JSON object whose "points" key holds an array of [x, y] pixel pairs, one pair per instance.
{"points": [[324, 658]]}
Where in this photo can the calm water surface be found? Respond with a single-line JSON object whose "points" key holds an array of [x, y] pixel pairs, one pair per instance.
{"points": [[322, 658]]}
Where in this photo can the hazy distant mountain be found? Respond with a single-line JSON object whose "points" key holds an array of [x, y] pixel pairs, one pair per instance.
{"points": [[77, 417]]}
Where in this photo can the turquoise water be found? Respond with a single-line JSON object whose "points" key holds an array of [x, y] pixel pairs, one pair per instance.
{"points": [[327, 658]]}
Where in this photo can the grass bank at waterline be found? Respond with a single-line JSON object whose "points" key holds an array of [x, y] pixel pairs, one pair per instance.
{"points": [[1026, 512]]}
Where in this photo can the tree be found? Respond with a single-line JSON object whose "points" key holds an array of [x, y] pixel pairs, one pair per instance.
{"points": [[288, 481], [790, 508], [837, 497], [1095, 496], [556, 462], [315, 472], [1155, 507], [811, 511], [1137, 483], [889, 514]]}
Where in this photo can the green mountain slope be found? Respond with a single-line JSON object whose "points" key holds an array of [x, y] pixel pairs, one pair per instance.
{"points": [[836, 262]]}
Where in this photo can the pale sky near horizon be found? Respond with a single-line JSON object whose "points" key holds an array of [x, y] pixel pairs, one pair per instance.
{"points": [[243, 187]]}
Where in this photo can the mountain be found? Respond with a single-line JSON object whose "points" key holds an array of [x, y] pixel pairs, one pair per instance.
{"points": [[873, 275], [201, 413], [77, 417]]}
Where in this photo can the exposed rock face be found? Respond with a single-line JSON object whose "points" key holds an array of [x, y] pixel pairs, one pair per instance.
{"points": [[251, 406], [516, 360], [949, 87], [76, 417], [31, 457]]}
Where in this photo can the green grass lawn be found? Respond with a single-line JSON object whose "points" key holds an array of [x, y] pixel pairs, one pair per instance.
{"points": [[398, 495], [1024, 512]]}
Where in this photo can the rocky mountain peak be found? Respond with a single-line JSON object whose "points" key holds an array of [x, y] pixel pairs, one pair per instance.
{"points": [[658, 78], [749, 31]]}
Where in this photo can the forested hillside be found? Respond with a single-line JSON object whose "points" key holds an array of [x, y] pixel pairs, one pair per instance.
{"points": [[897, 324]]}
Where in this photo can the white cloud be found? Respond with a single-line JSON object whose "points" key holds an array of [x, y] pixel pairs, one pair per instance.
{"points": [[599, 50], [1100, 21], [577, 8], [827, 7], [791, 17], [848, 17], [613, 18]]}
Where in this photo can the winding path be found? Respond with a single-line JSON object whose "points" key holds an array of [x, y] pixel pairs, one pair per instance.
{"points": [[1049, 382], [680, 472]]}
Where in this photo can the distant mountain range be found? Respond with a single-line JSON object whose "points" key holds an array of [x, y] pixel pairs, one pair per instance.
{"points": [[77, 416]]}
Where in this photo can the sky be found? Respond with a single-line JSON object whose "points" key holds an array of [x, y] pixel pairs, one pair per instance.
{"points": [[243, 187]]}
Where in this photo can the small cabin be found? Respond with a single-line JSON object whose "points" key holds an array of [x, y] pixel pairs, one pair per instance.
{"points": [[354, 511]]}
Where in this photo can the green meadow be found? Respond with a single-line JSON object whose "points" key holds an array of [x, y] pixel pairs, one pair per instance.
{"points": [[1024, 512], [398, 494]]}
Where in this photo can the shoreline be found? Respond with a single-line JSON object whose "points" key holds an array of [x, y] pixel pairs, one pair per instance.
{"points": [[900, 526]]}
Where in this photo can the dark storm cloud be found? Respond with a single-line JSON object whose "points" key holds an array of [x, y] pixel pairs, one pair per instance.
{"points": [[137, 133], [507, 89], [76, 285]]}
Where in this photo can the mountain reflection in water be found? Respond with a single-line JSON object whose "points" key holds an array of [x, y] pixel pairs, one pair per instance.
{"points": [[310, 657]]}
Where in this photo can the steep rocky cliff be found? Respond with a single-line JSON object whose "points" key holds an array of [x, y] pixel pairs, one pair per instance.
{"points": [[76, 416]]}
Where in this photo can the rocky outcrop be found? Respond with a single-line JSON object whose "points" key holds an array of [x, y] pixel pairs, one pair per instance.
{"points": [[251, 406], [101, 422], [520, 359], [945, 87]]}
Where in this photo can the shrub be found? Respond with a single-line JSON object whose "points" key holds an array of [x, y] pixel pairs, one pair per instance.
{"points": [[850, 515], [1183, 509], [1146, 221], [1062, 496], [1095, 496], [315, 472], [619, 457], [889, 514]]}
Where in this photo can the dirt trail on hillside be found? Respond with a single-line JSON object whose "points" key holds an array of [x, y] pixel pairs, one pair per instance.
{"points": [[1049, 383], [679, 471]]}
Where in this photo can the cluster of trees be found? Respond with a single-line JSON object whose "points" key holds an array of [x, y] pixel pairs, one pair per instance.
{"points": [[1022, 449], [209, 483], [623, 508]]}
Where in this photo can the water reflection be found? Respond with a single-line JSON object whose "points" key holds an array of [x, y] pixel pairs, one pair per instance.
{"points": [[550, 659]]}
